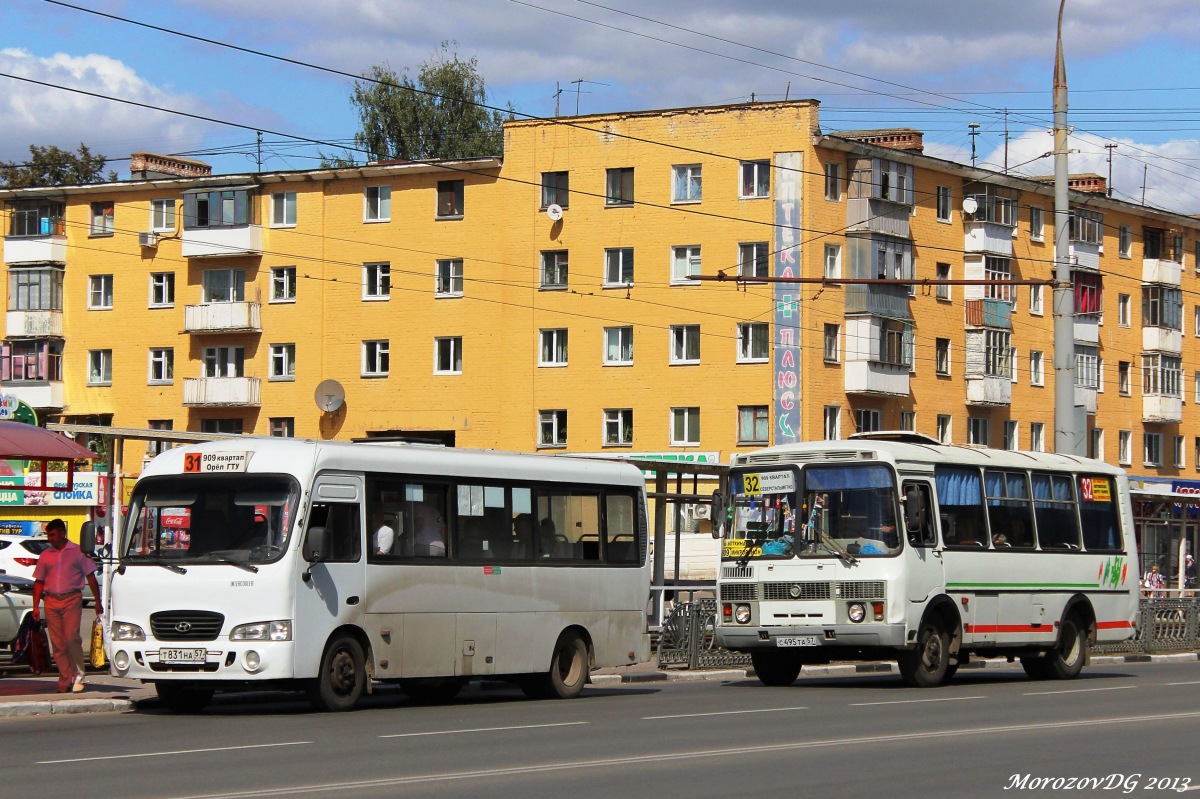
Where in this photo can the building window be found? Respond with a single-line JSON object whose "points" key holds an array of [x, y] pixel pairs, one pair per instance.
{"points": [[908, 421], [998, 269], [102, 219], [1125, 447], [942, 290], [1124, 383], [1123, 310], [685, 344], [1087, 293], [554, 347], [1087, 366], [978, 431], [450, 199], [1036, 371], [1162, 375], [1196, 381], [618, 427], [619, 186], [1097, 444], [754, 424], [1178, 453], [283, 284], [685, 426], [943, 203], [1036, 224], [223, 285], [618, 266], [997, 345], [1196, 321], [158, 447], [1037, 436], [618, 346], [376, 358], [162, 216], [377, 204], [226, 426], [1152, 449], [377, 281], [283, 209], [552, 428], [1012, 435], [1162, 306], [833, 422], [1087, 227], [1012, 363], [449, 279], [686, 184], [554, 269], [832, 348], [283, 362], [833, 261], [35, 289], [685, 262], [162, 289], [756, 179], [100, 292], [945, 424], [753, 342], [833, 182], [895, 342], [447, 355], [1125, 242], [162, 366], [867, 420], [224, 361], [99, 367], [556, 189], [1035, 300], [754, 260], [219, 208], [283, 426], [942, 356]]}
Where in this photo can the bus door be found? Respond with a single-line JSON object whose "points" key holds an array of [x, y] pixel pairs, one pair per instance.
{"points": [[332, 595], [925, 577]]}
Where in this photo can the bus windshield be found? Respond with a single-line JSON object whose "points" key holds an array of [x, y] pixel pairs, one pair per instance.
{"points": [[238, 519]]}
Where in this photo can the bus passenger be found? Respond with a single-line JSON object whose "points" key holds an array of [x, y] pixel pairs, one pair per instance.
{"points": [[385, 535], [430, 530]]}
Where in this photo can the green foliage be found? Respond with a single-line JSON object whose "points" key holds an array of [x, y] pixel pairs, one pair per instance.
{"points": [[50, 166], [441, 115]]}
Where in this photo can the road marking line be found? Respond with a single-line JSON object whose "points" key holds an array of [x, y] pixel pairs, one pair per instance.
{"points": [[723, 713], [912, 701], [1192, 682], [698, 754], [173, 752], [483, 729], [1081, 690]]}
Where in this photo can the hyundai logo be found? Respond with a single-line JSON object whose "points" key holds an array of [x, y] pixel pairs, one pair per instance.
{"points": [[183, 626]]}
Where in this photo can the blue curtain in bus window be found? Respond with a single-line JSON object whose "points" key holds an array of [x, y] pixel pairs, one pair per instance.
{"points": [[837, 478], [960, 504], [1054, 512], [1009, 510]]}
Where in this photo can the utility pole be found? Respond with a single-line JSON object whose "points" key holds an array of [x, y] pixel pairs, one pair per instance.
{"points": [[1070, 423], [1108, 188], [974, 126], [1006, 141], [258, 160], [557, 94], [1145, 172]]}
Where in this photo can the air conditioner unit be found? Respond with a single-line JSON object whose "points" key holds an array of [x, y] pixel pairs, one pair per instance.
{"points": [[703, 511], [148, 239]]}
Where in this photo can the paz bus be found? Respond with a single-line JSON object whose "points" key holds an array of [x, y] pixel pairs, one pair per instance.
{"points": [[893, 546], [330, 567]]}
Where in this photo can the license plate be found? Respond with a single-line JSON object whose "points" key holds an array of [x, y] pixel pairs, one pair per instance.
{"points": [[182, 655], [799, 640]]}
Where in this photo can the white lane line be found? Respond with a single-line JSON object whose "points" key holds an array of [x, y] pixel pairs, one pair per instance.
{"points": [[723, 713], [1190, 682], [695, 754], [173, 752], [914, 701], [1081, 690], [484, 729]]}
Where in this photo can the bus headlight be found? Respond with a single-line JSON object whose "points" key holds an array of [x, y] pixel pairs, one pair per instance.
{"points": [[856, 611], [121, 660], [741, 614], [124, 631], [262, 631]]}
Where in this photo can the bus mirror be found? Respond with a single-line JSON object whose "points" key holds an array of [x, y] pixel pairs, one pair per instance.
{"points": [[87, 539], [718, 515], [314, 544], [914, 509]]}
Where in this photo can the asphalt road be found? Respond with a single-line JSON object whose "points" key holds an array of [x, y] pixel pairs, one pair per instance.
{"points": [[854, 737]]}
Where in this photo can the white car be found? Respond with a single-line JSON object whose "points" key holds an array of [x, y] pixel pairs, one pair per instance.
{"points": [[16, 600], [19, 554]]}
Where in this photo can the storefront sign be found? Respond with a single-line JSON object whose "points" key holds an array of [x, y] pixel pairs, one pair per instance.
{"points": [[85, 489]]}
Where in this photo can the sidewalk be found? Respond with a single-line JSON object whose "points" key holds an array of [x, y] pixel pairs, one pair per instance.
{"points": [[22, 694]]}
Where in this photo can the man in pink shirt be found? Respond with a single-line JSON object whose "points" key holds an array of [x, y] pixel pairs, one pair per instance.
{"points": [[58, 578]]}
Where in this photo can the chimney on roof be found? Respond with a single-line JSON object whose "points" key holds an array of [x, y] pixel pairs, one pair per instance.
{"points": [[1086, 182], [909, 139], [151, 166]]}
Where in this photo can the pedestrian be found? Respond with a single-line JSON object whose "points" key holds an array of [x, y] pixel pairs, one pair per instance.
{"points": [[1153, 583], [59, 578], [1189, 575]]}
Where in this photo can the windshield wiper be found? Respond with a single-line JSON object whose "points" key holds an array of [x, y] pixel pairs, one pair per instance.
{"points": [[241, 564], [156, 562], [836, 548]]}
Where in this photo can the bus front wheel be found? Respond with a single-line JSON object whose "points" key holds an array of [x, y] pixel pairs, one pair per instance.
{"points": [[568, 671], [342, 677], [925, 666], [775, 668]]}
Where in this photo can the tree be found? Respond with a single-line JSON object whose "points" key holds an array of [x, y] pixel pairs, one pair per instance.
{"points": [[441, 115], [50, 166]]}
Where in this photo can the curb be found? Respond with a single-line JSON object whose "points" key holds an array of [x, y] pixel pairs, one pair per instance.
{"points": [[65, 707]]}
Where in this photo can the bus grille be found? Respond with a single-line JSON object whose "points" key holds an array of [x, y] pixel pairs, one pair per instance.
{"points": [[865, 589], [737, 571], [802, 591], [739, 592], [186, 625]]}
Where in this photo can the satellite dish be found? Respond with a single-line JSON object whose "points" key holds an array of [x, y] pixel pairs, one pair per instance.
{"points": [[970, 205], [330, 395], [554, 211]]}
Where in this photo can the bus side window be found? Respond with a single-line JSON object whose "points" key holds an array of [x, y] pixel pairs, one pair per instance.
{"points": [[343, 536], [923, 534]]}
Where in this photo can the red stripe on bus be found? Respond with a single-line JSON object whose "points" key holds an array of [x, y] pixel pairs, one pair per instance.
{"points": [[1112, 625], [1009, 628]]}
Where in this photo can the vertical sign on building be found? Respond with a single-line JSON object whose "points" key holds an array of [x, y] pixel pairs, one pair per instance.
{"points": [[787, 297]]}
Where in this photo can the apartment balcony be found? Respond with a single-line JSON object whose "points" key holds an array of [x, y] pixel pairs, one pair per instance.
{"points": [[989, 313], [37, 394], [1161, 408], [878, 300], [878, 216], [1162, 339], [1160, 270], [222, 317], [39, 324], [1086, 328], [989, 237], [221, 392], [215, 242], [989, 390], [1086, 397], [1085, 255], [50, 248], [873, 377]]}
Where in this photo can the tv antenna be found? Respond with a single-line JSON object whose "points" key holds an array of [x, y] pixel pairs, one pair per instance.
{"points": [[974, 126], [1108, 188], [579, 90]]}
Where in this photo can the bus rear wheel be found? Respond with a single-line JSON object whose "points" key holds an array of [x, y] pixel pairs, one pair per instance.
{"points": [[1066, 659], [342, 677], [183, 698], [775, 668], [926, 665], [568, 671]]}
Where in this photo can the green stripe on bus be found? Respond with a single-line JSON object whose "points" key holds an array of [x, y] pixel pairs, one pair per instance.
{"points": [[1022, 585]]}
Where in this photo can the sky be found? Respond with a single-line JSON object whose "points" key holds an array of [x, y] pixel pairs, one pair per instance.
{"points": [[936, 65]]}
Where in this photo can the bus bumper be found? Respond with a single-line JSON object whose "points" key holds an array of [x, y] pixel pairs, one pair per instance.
{"points": [[223, 660], [840, 635]]}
